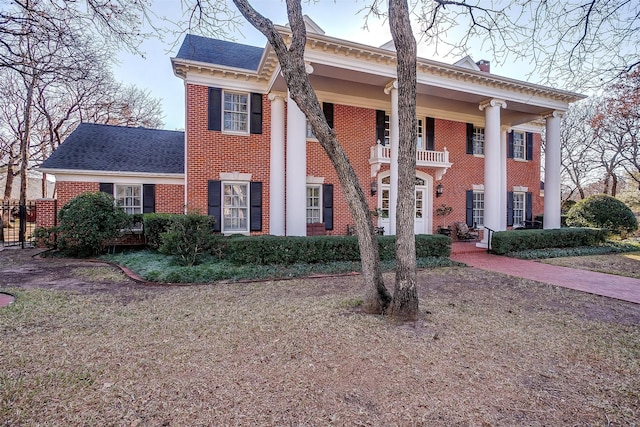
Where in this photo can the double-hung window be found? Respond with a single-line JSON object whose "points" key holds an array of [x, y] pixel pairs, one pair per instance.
{"points": [[518, 209], [129, 198], [236, 112], [519, 146], [421, 144], [478, 140], [235, 207], [419, 135], [314, 204], [478, 208]]}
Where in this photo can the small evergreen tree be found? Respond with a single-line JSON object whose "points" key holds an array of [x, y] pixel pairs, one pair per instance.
{"points": [[87, 222], [602, 211]]}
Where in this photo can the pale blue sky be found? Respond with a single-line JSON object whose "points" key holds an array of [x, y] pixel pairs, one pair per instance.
{"points": [[337, 18]]}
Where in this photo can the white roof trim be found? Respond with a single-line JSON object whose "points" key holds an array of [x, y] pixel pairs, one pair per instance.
{"points": [[467, 62]]}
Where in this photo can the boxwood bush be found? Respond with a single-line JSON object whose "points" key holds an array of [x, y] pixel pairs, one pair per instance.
{"points": [[321, 249], [503, 242]]}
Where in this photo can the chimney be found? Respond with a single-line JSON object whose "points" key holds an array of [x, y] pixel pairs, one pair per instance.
{"points": [[484, 65]]}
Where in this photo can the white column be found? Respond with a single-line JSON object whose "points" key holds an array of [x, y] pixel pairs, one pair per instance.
{"points": [[492, 167], [552, 157], [503, 178], [276, 166], [394, 140], [296, 178]]}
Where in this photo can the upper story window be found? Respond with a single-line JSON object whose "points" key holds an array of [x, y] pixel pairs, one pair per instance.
{"points": [[424, 133], [129, 198], [519, 146], [478, 141], [236, 112], [419, 135]]}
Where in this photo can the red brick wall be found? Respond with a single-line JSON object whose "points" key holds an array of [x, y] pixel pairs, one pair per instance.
{"points": [[67, 190], [170, 198], [46, 212], [210, 152]]}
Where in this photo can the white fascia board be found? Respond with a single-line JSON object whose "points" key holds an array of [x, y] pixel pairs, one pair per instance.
{"points": [[239, 84], [68, 175]]}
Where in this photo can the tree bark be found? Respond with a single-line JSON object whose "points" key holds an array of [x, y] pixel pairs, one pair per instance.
{"points": [[404, 305], [25, 138], [291, 59]]}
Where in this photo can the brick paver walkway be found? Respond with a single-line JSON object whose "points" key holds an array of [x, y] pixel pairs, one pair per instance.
{"points": [[609, 285]]}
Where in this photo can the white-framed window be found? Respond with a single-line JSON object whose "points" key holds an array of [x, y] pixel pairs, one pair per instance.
{"points": [[519, 146], [478, 208], [478, 141], [518, 209], [419, 135], [129, 197], [310, 134], [236, 112], [314, 204], [235, 207]]}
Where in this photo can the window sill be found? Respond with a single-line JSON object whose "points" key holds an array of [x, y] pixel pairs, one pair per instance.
{"points": [[479, 155], [520, 160], [235, 133]]}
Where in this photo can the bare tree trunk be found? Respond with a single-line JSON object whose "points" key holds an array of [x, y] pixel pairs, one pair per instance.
{"points": [[25, 138], [292, 65], [8, 185], [405, 296], [614, 184]]}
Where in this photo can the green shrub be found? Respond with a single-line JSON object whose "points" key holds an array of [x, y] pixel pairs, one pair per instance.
{"points": [[322, 249], [188, 238], [154, 225], [602, 211], [503, 242], [88, 222]]}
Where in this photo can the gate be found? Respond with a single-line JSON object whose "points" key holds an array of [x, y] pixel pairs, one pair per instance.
{"points": [[17, 222]]}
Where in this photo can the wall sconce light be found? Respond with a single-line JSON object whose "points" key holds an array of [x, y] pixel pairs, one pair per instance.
{"points": [[439, 189], [374, 188]]}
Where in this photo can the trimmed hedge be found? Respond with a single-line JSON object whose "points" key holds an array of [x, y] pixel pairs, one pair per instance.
{"points": [[266, 250], [503, 242], [155, 224]]}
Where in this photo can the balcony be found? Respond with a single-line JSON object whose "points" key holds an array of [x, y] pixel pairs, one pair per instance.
{"points": [[439, 160]]}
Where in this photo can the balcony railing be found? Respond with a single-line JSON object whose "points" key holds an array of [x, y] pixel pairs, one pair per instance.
{"points": [[380, 155]]}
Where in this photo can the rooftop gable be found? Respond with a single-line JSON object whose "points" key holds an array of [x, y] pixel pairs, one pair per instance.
{"points": [[96, 147]]}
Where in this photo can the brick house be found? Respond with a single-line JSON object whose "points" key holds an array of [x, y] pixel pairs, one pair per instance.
{"points": [[251, 161]]}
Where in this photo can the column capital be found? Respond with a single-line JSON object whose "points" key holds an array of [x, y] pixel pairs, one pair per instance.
{"points": [[555, 114], [277, 95], [492, 103], [393, 84], [308, 67]]}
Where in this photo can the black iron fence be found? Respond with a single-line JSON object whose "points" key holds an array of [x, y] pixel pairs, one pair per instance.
{"points": [[17, 222]]}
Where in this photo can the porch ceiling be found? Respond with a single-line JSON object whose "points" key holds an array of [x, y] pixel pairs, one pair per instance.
{"points": [[458, 101]]}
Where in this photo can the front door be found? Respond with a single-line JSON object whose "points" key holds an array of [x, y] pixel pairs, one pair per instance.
{"points": [[422, 214]]}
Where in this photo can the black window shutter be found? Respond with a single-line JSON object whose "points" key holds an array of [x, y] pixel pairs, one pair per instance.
{"points": [[327, 108], [529, 207], [214, 203], [106, 187], [510, 145], [327, 206], [469, 205], [529, 136], [256, 113], [430, 130], [510, 208], [380, 114], [215, 109], [148, 198], [469, 138], [255, 216]]}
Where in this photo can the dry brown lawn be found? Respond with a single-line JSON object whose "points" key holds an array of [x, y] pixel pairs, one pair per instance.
{"points": [[621, 264], [92, 348]]}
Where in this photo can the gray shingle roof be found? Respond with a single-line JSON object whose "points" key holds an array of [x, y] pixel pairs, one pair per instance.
{"points": [[119, 149], [220, 52]]}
